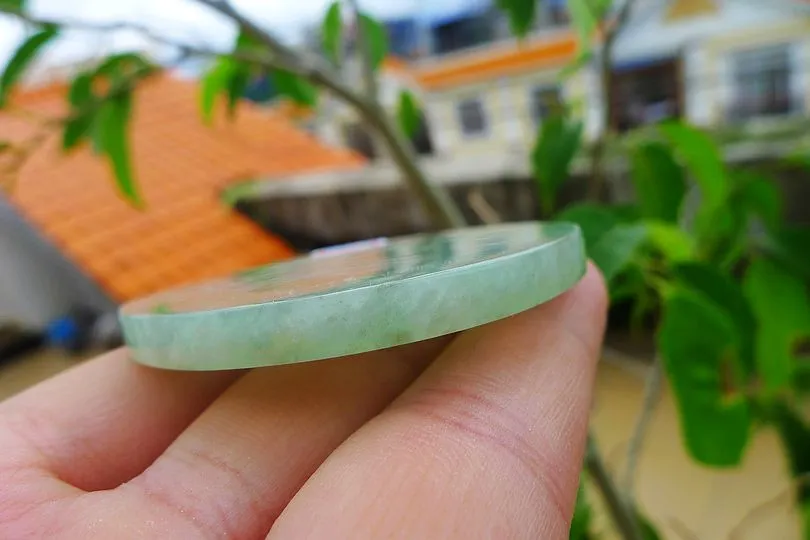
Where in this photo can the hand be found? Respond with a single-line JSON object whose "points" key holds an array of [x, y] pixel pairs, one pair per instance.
{"points": [[479, 435]]}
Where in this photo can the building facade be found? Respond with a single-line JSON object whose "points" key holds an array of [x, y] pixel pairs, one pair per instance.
{"points": [[711, 62]]}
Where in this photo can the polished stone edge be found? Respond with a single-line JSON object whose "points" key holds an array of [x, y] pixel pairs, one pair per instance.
{"points": [[358, 320]]}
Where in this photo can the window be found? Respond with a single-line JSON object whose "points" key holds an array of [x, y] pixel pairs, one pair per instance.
{"points": [[544, 100], [761, 81], [471, 116]]}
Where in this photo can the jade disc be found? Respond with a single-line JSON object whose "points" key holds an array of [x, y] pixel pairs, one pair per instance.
{"points": [[355, 298]]}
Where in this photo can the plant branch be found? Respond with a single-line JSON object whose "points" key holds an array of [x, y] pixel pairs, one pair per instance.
{"points": [[596, 185], [622, 514], [364, 53], [652, 393], [437, 203]]}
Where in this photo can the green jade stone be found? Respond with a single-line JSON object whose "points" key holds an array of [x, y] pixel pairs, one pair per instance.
{"points": [[356, 298]]}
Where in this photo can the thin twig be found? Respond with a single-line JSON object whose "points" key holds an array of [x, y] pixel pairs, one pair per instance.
{"points": [[364, 53], [652, 394], [437, 203], [598, 152], [622, 514]]}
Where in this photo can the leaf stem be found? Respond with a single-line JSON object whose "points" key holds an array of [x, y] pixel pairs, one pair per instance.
{"points": [[623, 517], [652, 392]]}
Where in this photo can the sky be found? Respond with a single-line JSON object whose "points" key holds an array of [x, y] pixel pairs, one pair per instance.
{"points": [[186, 20]]}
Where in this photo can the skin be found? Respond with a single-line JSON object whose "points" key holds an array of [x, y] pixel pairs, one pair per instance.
{"points": [[478, 435]]}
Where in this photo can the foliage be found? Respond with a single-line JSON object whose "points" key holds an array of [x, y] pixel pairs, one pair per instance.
{"points": [[408, 114], [732, 301], [557, 143], [376, 40], [332, 33], [22, 57], [521, 14]]}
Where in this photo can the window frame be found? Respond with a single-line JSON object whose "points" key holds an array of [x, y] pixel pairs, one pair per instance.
{"points": [[470, 100], [756, 66]]}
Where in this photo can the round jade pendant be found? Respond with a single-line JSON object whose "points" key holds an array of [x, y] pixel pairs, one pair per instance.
{"points": [[356, 298]]}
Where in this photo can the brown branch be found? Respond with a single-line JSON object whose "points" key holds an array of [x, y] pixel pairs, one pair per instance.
{"points": [[652, 393], [437, 203], [364, 53], [623, 516], [439, 207], [596, 186]]}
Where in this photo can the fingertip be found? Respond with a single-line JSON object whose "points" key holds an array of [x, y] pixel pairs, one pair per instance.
{"points": [[593, 286]]}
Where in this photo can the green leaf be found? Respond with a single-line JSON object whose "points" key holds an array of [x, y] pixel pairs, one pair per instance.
{"points": [[781, 307], [81, 90], [698, 344], [79, 124], [521, 14], [408, 114], [583, 515], [616, 248], [726, 295], [789, 247], [113, 123], [630, 284], [671, 241], [237, 85], [76, 130], [760, 195], [295, 88], [126, 64], [247, 42], [659, 182], [332, 33], [376, 40], [215, 82], [583, 58], [12, 6], [553, 153], [702, 156], [584, 21], [21, 59], [593, 219], [703, 159]]}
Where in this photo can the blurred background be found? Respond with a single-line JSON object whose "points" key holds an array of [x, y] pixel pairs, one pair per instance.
{"points": [[280, 178]]}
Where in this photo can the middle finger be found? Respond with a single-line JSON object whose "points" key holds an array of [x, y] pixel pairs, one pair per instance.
{"points": [[237, 466]]}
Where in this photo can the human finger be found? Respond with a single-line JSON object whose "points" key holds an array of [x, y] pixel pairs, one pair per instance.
{"points": [[103, 422], [235, 468], [487, 443]]}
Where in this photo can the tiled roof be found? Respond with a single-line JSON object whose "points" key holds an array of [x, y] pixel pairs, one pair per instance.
{"points": [[494, 61], [185, 233]]}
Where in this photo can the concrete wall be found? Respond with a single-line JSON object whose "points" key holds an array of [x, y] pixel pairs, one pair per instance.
{"points": [[326, 211], [36, 282]]}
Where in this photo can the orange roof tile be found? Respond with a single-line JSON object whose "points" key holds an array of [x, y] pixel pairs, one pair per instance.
{"points": [[185, 233], [491, 63]]}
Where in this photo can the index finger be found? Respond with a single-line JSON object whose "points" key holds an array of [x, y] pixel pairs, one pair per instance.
{"points": [[487, 443]]}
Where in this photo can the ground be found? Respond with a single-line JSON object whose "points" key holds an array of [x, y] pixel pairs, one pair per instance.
{"points": [[686, 501]]}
